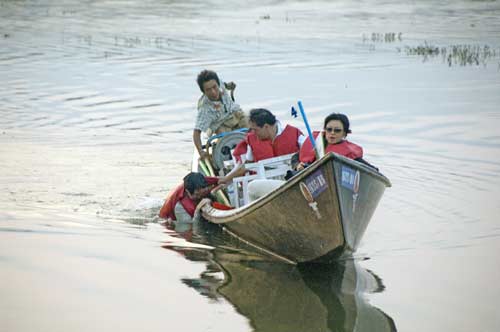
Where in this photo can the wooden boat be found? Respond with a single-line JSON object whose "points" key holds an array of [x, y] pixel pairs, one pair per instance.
{"points": [[316, 216]]}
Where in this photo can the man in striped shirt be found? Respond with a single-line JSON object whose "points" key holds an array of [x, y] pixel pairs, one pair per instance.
{"points": [[217, 111]]}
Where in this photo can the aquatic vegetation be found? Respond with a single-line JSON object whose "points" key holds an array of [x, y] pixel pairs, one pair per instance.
{"points": [[118, 41], [461, 55], [388, 37]]}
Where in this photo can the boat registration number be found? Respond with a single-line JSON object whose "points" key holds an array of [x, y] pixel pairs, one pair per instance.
{"points": [[350, 178], [316, 183]]}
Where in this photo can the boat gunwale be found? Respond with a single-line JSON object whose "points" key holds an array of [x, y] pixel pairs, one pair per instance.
{"points": [[225, 216]]}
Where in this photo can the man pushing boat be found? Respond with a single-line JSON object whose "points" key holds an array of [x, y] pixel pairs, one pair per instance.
{"points": [[181, 202]]}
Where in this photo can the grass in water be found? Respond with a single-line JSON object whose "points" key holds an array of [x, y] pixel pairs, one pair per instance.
{"points": [[455, 55]]}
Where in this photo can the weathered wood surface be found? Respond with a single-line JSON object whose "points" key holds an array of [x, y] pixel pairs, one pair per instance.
{"points": [[299, 227]]}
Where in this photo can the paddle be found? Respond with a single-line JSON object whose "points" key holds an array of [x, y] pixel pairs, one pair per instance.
{"points": [[309, 132], [207, 168], [230, 86], [204, 168]]}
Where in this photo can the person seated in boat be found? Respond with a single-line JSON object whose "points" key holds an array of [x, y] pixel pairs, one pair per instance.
{"points": [[267, 138], [332, 138], [217, 111], [181, 202]]}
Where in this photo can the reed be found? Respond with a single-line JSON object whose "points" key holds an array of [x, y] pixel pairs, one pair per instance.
{"points": [[455, 55]]}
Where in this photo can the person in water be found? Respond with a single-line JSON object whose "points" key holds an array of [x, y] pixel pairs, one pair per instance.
{"points": [[181, 202], [217, 111], [333, 138]]}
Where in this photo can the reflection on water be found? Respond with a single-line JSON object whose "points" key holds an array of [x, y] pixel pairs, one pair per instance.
{"points": [[279, 297], [97, 108], [275, 296]]}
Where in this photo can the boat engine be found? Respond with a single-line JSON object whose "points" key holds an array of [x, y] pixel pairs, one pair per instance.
{"points": [[223, 144]]}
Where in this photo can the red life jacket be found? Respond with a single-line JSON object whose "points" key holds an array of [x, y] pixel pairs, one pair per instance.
{"points": [[240, 150], [220, 206], [179, 195], [345, 148], [285, 143]]}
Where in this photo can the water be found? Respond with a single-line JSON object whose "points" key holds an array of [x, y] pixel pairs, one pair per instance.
{"points": [[97, 102]]}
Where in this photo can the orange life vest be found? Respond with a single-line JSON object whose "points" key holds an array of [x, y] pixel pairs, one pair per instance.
{"points": [[285, 143], [344, 148], [179, 195]]}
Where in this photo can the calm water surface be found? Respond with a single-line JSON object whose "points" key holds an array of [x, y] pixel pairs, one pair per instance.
{"points": [[97, 104]]}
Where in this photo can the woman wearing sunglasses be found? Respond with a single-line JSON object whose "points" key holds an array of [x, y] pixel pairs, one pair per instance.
{"points": [[331, 139]]}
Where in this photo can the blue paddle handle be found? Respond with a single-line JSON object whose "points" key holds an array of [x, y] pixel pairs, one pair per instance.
{"points": [[309, 132]]}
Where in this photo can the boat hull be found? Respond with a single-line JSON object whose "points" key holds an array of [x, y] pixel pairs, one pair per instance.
{"points": [[317, 215]]}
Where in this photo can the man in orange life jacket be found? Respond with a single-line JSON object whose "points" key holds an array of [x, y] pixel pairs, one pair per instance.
{"points": [[181, 202], [267, 138]]}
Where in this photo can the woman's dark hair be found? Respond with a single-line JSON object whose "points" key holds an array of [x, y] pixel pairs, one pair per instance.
{"points": [[340, 117], [194, 181], [261, 116], [205, 76]]}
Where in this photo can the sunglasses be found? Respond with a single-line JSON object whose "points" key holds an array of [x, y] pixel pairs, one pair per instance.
{"points": [[334, 130]]}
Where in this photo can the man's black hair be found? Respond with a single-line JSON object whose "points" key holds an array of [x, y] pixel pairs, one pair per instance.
{"points": [[261, 116], [205, 76], [340, 117], [194, 181]]}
